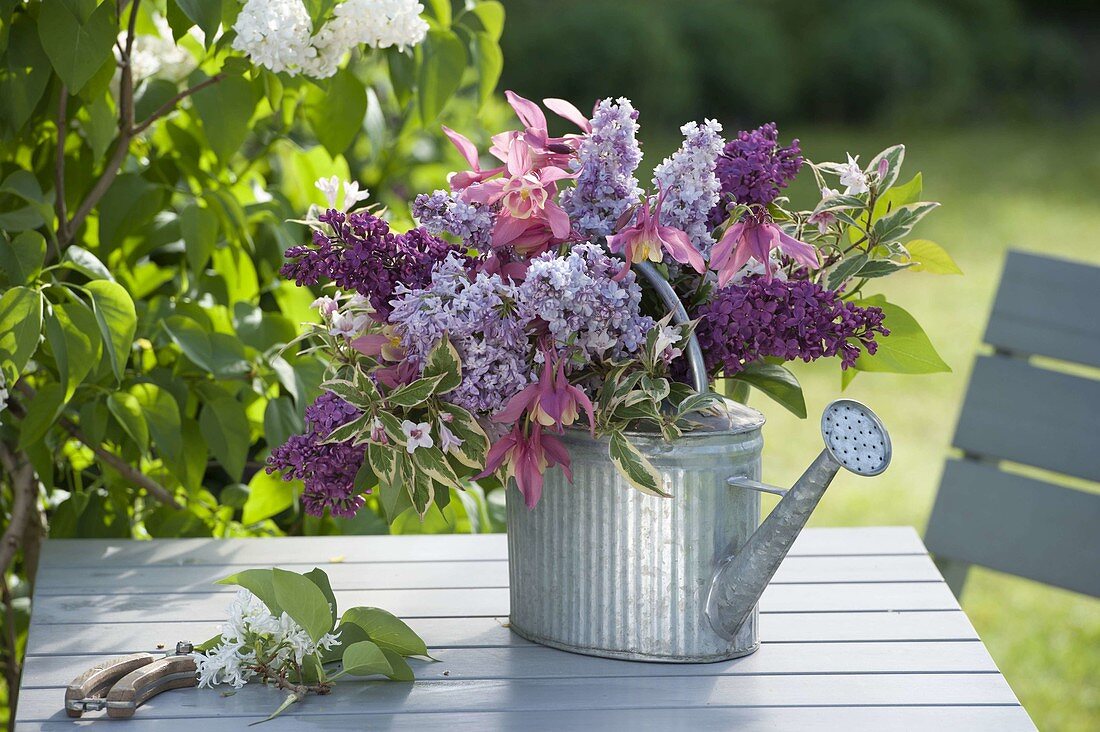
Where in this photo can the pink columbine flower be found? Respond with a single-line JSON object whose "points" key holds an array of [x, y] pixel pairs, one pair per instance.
{"points": [[551, 401], [754, 238], [385, 345], [526, 457], [649, 239], [417, 435]]}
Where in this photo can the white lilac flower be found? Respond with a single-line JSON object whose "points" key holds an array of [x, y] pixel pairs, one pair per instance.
{"points": [[852, 176], [278, 34], [157, 54], [348, 325], [352, 194], [251, 634], [417, 435], [329, 188], [607, 158], [689, 183]]}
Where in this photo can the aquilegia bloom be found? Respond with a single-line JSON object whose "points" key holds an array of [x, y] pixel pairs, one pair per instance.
{"points": [[649, 239], [753, 238]]}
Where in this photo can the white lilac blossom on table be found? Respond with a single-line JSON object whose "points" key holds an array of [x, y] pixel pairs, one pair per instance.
{"points": [[284, 629], [461, 349]]}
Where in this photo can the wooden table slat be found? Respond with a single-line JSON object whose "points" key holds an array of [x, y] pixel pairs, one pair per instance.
{"points": [[859, 632]]}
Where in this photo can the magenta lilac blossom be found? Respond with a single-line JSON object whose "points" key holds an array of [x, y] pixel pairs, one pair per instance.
{"points": [[753, 168]]}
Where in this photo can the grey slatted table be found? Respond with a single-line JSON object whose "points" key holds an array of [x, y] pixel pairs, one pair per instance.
{"points": [[860, 633]]}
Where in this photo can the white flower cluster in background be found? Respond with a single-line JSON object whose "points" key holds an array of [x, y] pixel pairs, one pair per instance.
{"points": [[278, 34], [252, 635], [157, 54]]}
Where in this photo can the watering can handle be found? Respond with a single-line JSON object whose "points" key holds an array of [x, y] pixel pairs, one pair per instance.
{"points": [[668, 296]]}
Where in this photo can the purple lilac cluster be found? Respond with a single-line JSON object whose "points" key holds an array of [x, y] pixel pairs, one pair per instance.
{"points": [[578, 298], [327, 469], [690, 187], [754, 168], [440, 213], [786, 319], [363, 255], [608, 156], [480, 318]]}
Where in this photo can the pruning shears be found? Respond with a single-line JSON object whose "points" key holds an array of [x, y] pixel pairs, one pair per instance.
{"points": [[121, 685]]}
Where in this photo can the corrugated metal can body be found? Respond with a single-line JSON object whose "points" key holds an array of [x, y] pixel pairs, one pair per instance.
{"points": [[600, 568]]}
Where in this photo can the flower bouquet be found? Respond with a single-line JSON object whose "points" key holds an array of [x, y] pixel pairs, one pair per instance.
{"points": [[463, 348]]}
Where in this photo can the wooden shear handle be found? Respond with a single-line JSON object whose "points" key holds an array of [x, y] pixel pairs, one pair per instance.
{"points": [[142, 684], [95, 682]]}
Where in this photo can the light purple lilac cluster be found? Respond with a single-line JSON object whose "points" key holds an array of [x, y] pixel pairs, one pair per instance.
{"points": [[480, 317], [326, 469], [440, 213], [753, 168], [787, 319], [607, 158], [689, 184], [582, 304], [362, 254]]}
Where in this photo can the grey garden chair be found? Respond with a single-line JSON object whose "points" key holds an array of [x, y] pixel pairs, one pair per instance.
{"points": [[1040, 415]]}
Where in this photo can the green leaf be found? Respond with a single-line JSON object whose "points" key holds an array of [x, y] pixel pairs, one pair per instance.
{"points": [[336, 115], [226, 110], [130, 203], [77, 44], [635, 468], [440, 10], [928, 256], [415, 393], [431, 461], [845, 269], [261, 583], [879, 268], [117, 318], [199, 227], [318, 577], [778, 383], [220, 354], [846, 377], [262, 330], [899, 196], [268, 495], [20, 327], [444, 361], [193, 462], [236, 268], [303, 601], [100, 127], [894, 156], [365, 659], [206, 14], [421, 490], [475, 443], [24, 186], [387, 630], [22, 257], [225, 427], [486, 16], [281, 420], [444, 60], [86, 263], [906, 350], [401, 669], [900, 222], [162, 415], [42, 411], [24, 72], [489, 62], [127, 411]]}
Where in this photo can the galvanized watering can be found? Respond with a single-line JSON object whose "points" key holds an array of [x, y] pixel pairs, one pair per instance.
{"points": [[600, 568]]}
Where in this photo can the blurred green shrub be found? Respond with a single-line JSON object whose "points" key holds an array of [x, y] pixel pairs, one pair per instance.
{"points": [[925, 61]]}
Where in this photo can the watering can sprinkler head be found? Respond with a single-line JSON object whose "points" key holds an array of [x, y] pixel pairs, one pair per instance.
{"points": [[855, 439]]}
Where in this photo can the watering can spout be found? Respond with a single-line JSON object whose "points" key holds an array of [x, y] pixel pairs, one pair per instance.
{"points": [[855, 439]]}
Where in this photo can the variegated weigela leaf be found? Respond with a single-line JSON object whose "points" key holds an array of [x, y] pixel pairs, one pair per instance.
{"points": [[634, 466]]}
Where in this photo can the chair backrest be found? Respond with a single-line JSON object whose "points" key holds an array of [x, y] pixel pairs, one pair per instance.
{"points": [[1023, 413]]}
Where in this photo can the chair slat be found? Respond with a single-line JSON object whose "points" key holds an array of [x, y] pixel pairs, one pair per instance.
{"points": [[1014, 524], [1014, 411], [1049, 307]]}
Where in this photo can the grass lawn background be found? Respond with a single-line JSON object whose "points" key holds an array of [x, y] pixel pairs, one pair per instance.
{"points": [[1033, 188]]}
